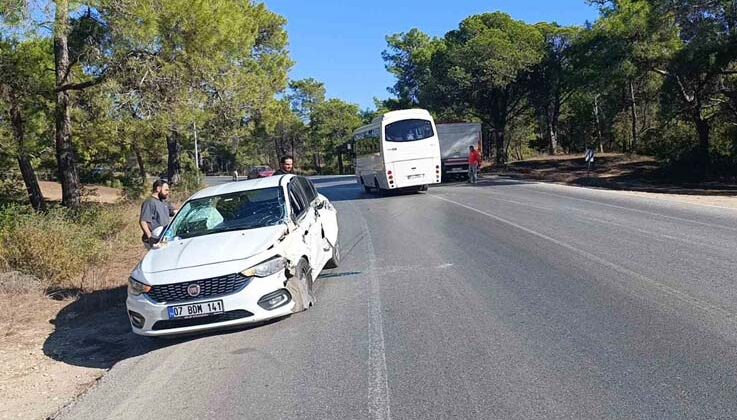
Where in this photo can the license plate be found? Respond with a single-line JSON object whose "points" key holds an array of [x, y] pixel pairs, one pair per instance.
{"points": [[196, 309], [457, 170], [415, 176]]}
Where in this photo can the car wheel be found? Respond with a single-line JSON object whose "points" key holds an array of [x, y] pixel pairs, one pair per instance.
{"points": [[300, 287], [335, 260]]}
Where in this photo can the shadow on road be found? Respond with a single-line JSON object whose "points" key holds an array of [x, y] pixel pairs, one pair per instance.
{"points": [[618, 172], [94, 331]]}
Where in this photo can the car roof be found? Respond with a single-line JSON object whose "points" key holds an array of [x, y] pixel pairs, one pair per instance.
{"points": [[251, 184]]}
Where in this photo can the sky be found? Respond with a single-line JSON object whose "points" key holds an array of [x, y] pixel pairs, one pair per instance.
{"points": [[340, 42]]}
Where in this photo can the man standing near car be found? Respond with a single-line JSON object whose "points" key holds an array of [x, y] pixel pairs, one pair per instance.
{"points": [[155, 211], [286, 166], [474, 165]]}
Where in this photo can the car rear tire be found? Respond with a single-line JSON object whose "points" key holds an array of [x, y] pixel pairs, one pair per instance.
{"points": [[334, 262], [300, 287]]}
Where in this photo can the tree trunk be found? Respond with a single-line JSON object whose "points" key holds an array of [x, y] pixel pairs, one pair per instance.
{"points": [[704, 129], [70, 187], [633, 114], [318, 167], [26, 169], [598, 124], [139, 161], [174, 166], [499, 146], [553, 135]]}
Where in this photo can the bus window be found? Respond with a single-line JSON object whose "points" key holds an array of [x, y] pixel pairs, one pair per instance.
{"points": [[408, 130]]}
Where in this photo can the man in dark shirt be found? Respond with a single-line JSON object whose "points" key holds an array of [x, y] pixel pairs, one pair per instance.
{"points": [[286, 166], [155, 211]]}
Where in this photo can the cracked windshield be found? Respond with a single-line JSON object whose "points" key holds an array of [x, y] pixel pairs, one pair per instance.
{"points": [[484, 209]]}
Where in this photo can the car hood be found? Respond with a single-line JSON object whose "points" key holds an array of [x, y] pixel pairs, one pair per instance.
{"points": [[211, 249]]}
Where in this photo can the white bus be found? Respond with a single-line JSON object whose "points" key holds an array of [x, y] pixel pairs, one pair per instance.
{"points": [[399, 149]]}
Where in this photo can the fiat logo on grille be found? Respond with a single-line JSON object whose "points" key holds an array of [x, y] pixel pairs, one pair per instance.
{"points": [[193, 290]]}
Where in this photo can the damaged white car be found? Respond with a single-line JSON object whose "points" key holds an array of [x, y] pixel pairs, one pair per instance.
{"points": [[234, 254]]}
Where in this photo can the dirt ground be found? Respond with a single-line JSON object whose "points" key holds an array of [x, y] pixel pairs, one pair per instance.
{"points": [[634, 175], [53, 348], [91, 193]]}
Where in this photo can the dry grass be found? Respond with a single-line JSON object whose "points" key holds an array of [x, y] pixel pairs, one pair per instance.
{"points": [[41, 330]]}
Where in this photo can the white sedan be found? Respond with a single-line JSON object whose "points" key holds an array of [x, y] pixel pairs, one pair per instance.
{"points": [[234, 254]]}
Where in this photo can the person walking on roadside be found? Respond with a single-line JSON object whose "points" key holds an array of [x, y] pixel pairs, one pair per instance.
{"points": [[286, 166], [155, 211], [474, 165]]}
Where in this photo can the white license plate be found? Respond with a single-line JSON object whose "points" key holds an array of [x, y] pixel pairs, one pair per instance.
{"points": [[415, 176], [196, 309], [453, 170]]}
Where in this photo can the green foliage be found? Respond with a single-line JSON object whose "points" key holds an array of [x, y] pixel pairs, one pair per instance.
{"points": [[647, 77], [331, 125], [59, 245]]}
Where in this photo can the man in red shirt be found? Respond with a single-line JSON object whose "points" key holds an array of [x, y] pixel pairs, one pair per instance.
{"points": [[474, 165]]}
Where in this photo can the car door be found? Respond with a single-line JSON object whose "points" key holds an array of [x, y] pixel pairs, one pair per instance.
{"points": [[328, 218], [320, 252], [304, 217]]}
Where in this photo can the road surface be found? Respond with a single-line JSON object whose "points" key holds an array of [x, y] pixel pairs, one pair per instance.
{"points": [[507, 299]]}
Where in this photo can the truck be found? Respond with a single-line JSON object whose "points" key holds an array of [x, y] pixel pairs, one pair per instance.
{"points": [[454, 140]]}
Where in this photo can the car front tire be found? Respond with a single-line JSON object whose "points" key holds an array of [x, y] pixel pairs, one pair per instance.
{"points": [[300, 287], [334, 261]]}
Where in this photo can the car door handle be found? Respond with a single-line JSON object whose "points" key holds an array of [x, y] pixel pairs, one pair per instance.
{"points": [[393, 148]]}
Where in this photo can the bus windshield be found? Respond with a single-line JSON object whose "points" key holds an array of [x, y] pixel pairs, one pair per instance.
{"points": [[408, 130]]}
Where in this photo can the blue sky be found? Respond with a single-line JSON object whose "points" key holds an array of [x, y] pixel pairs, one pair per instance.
{"points": [[340, 42]]}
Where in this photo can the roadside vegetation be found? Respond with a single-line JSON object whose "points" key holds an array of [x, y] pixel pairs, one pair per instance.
{"points": [[648, 77]]}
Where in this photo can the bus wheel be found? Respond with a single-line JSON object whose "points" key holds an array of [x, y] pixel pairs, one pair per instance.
{"points": [[366, 188], [378, 189]]}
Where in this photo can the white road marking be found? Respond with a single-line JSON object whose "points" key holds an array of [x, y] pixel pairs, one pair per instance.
{"points": [[378, 386], [684, 297], [680, 219], [497, 197]]}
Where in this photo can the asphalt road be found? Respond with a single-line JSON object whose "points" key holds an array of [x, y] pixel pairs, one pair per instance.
{"points": [[502, 300]]}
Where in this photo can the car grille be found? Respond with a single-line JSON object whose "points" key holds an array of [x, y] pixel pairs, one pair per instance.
{"points": [[212, 287], [191, 322]]}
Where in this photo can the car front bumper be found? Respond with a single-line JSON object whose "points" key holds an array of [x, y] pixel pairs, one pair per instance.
{"points": [[234, 306]]}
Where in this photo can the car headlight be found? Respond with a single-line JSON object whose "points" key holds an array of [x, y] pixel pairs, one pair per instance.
{"points": [[136, 288], [266, 268]]}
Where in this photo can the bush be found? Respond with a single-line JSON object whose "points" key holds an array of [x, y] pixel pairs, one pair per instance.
{"points": [[189, 184], [133, 187], [104, 222], [57, 246], [12, 190]]}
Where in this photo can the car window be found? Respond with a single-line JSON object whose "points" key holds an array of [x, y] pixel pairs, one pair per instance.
{"points": [[308, 188], [297, 199]]}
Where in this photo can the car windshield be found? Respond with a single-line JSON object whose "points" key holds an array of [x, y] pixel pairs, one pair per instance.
{"points": [[409, 130], [222, 213]]}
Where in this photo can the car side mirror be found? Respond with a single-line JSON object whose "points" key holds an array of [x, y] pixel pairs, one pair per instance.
{"points": [[320, 205]]}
